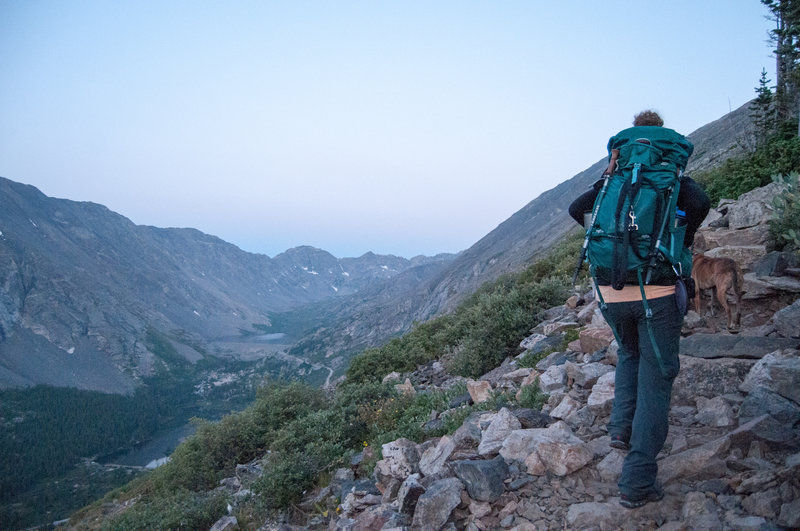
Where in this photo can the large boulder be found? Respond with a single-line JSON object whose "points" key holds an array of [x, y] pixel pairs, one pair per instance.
{"points": [[376, 517], [432, 461], [732, 346], [553, 379], [759, 287], [775, 263], [710, 239], [744, 255], [409, 493], [716, 412], [700, 512], [400, 459], [437, 503], [554, 449], [708, 378], [595, 515], [480, 391], [468, 435], [226, 523], [754, 207], [602, 396], [778, 372], [536, 343], [787, 320], [594, 338], [778, 414], [611, 466], [503, 423], [586, 375], [702, 462], [565, 408], [483, 479]]}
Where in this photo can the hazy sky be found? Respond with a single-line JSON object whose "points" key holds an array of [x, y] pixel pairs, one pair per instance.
{"points": [[398, 127]]}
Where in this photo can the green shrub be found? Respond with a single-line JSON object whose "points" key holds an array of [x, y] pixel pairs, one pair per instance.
{"points": [[216, 448], [485, 328], [181, 509], [302, 452], [532, 397], [785, 225], [280, 402], [406, 416], [780, 154], [499, 321], [425, 342], [351, 401], [559, 262]]}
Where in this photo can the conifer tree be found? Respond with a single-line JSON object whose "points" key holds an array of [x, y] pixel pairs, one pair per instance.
{"points": [[786, 37], [762, 110]]}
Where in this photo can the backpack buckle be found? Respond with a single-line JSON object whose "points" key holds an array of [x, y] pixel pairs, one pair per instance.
{"points": [[632, 225]]}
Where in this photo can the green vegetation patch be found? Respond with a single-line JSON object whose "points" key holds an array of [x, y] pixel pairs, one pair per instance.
{"points": [[785, 225], [486, 328], [778, 154], [179, 510]]}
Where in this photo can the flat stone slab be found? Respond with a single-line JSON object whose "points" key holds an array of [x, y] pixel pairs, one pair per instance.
{"points": [[733, 346]]}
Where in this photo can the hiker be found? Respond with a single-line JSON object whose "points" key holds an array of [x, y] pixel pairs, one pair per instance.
{"points": [[647, 328]]}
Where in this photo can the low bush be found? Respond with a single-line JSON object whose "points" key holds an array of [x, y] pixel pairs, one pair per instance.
{"points": [[785, 225], [485, 328], [532, 397], [500, 320], [779, 154], [216, 448], [179, 510], [300, 454]]}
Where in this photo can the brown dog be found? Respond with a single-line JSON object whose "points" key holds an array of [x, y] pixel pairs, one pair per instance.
{"points": [[720, 274]]}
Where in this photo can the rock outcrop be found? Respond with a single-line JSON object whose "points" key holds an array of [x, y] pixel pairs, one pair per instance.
{"points": [[740, 230]]}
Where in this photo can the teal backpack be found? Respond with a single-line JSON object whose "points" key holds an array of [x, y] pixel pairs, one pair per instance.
{"points": [[636, 231]]}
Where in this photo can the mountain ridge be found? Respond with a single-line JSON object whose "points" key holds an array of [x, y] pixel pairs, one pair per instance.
{"points": [[83, 282]]}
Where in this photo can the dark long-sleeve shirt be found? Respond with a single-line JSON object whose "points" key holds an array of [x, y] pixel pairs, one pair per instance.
{"points": [[691, 199]]}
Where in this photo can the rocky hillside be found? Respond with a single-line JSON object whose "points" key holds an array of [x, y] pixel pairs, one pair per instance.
{"points": [[731, 460], [514, 244], [81, 286]]}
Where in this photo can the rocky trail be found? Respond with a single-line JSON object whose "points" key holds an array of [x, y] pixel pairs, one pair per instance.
{"points": [[731, 460]]}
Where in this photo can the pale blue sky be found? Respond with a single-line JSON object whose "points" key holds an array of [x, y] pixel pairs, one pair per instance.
{"points": [[403, 127]]}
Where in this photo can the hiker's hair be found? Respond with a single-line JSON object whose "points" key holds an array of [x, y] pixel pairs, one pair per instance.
{"points": [[647, 118]]}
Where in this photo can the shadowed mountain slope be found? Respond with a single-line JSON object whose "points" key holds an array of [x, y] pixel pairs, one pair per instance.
{"points": [[81, 286]]}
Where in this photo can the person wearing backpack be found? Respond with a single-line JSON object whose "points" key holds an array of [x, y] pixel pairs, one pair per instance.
{"points": [[644, 215]]}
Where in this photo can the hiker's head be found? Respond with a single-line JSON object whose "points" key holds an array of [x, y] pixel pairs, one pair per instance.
{"points": [[647, 118]]}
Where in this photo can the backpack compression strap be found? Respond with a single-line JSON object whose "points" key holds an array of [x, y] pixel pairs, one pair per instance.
{"points": [[623, 226], [672, 202]]}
